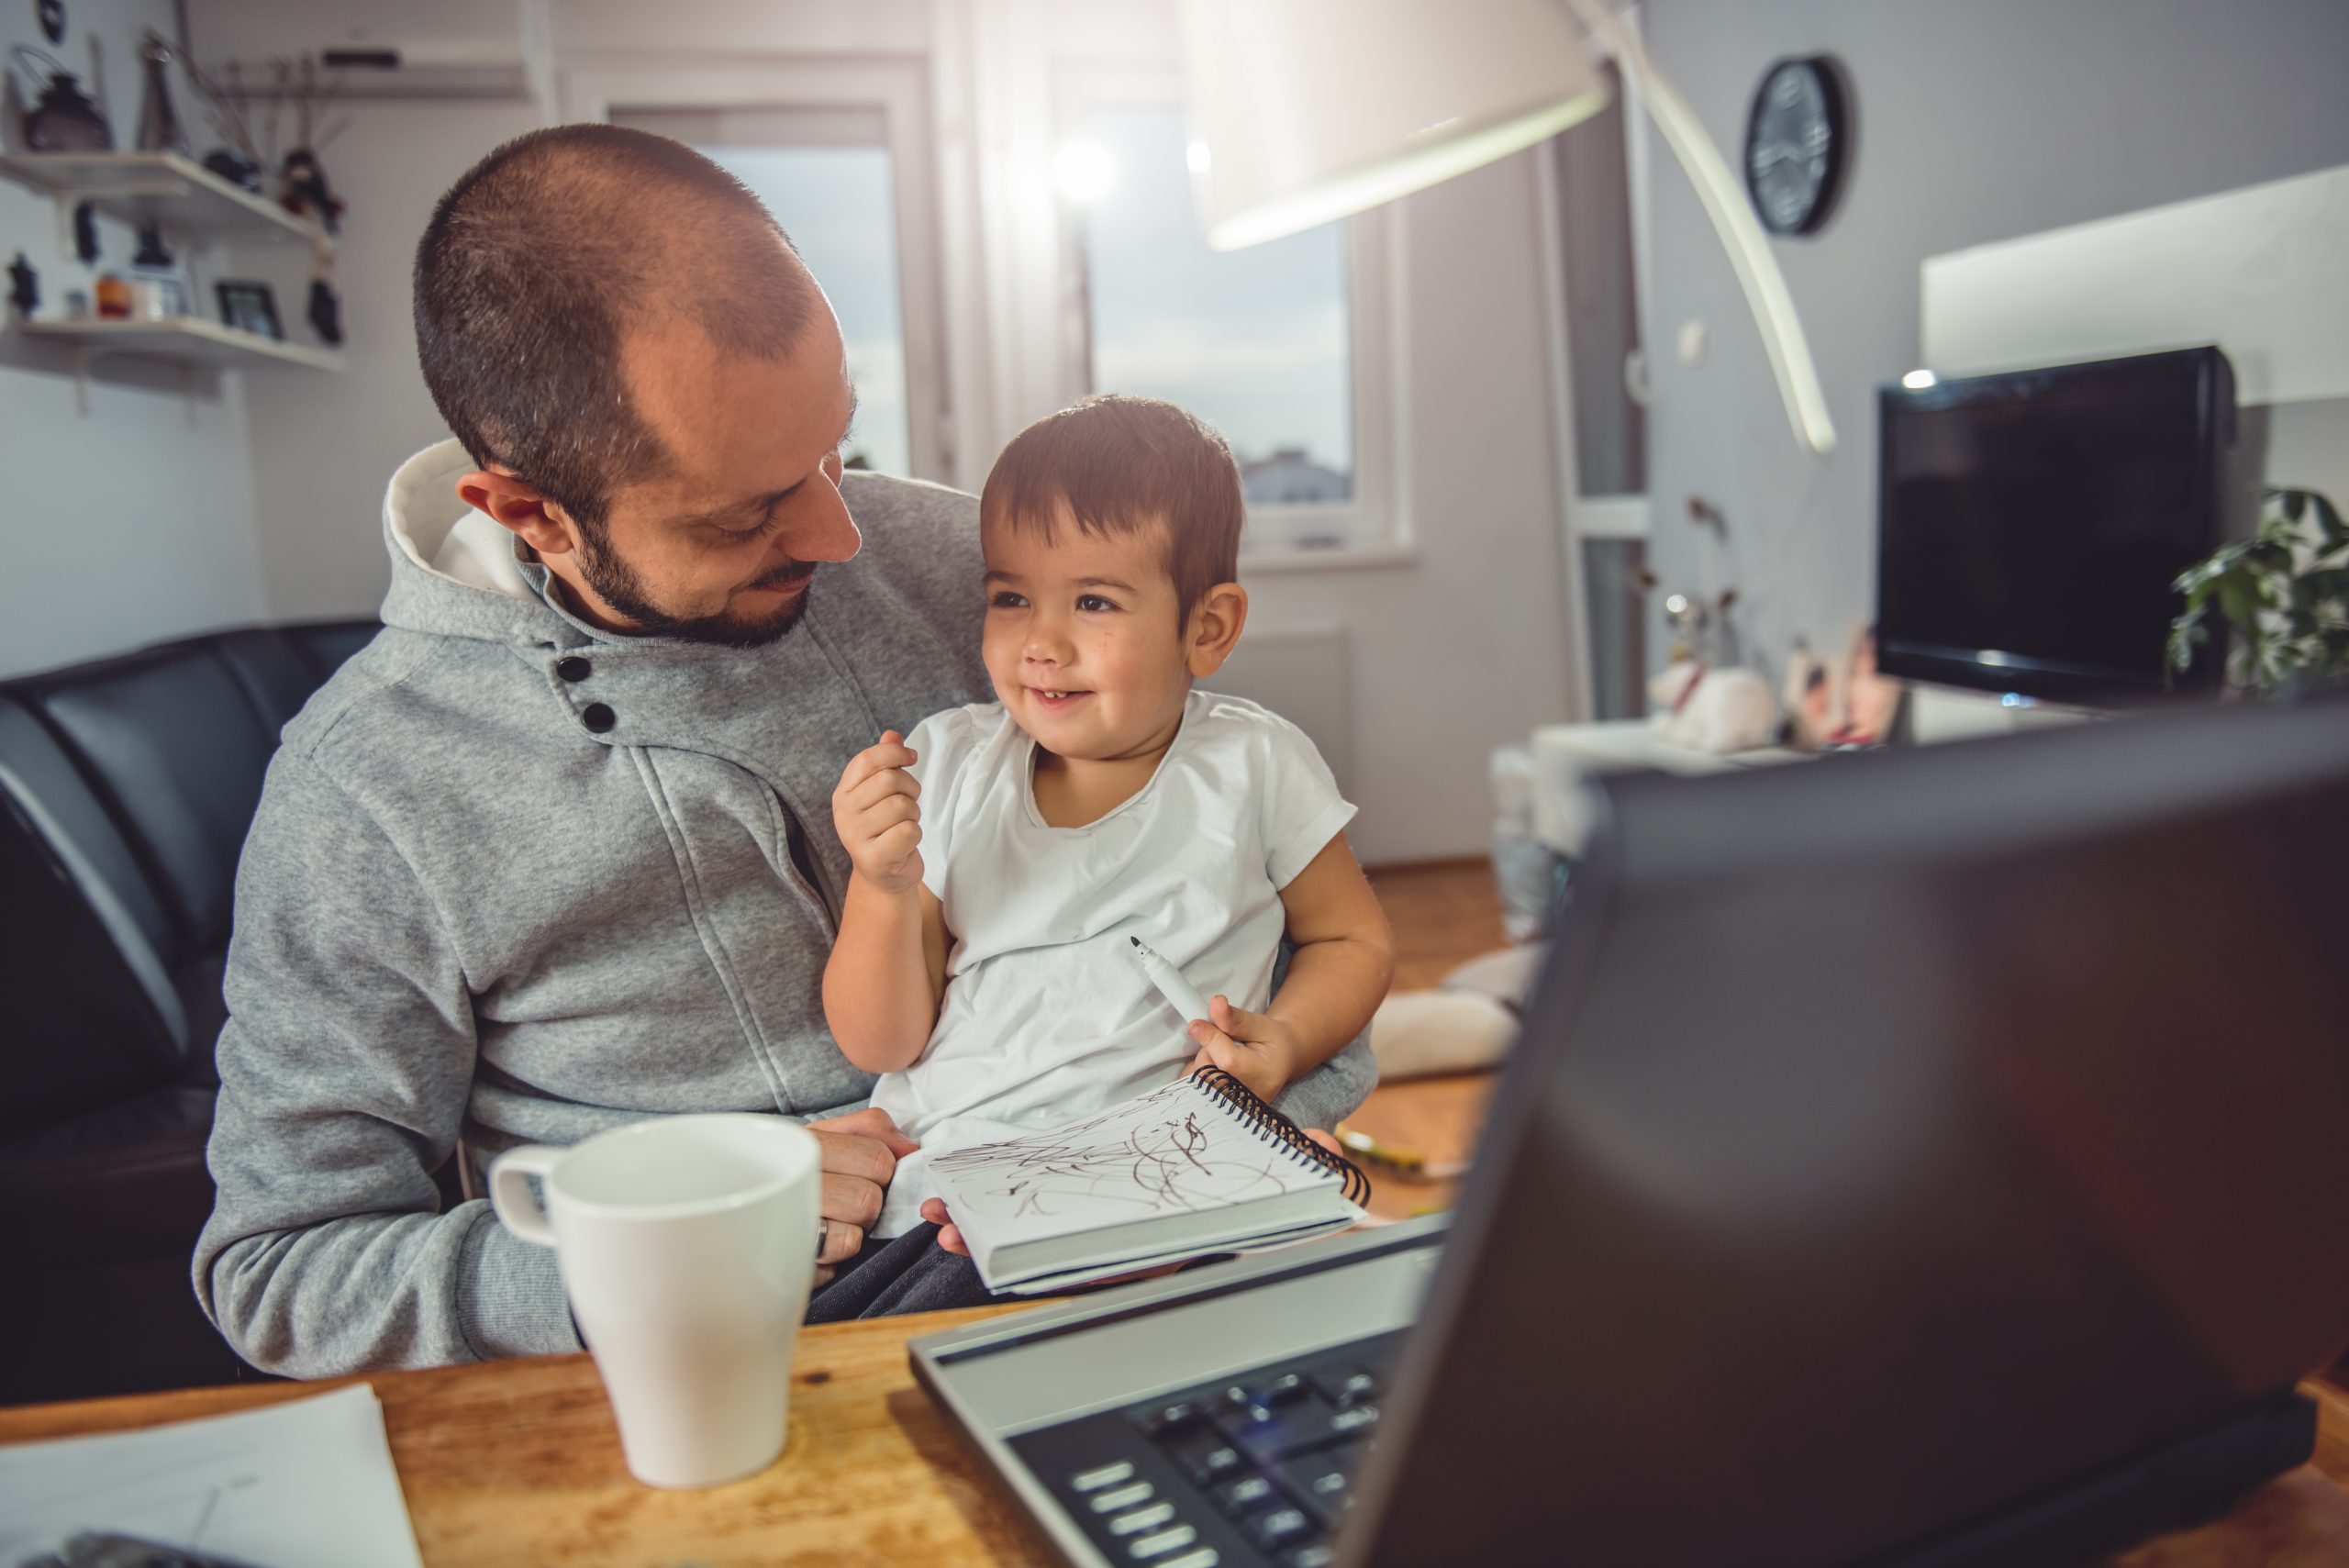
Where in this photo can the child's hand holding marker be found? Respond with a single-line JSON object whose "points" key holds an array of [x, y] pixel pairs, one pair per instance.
{"points": [[875, 811], [1259, 1052]]}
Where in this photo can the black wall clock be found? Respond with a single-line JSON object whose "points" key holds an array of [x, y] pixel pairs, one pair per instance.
{"points": [[1798, 138]]}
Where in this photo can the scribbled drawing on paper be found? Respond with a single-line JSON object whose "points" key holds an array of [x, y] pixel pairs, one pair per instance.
{"points": [[1160, 1154], [177, 1503]]}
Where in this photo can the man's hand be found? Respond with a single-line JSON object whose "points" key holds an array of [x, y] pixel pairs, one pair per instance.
{"points": [[1259, 1052], [859, 1154], [875, 814], [950, 1235]]}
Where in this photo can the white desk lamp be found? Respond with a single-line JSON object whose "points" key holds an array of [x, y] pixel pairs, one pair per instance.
{"points": [[1302, 111]]}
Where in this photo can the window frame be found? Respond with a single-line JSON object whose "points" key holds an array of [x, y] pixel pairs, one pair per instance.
{"points": [[1584, 517], [1376, 525], [899, 87]]}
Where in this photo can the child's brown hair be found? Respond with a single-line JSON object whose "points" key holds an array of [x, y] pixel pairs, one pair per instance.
{"points": [[1124, 465]]}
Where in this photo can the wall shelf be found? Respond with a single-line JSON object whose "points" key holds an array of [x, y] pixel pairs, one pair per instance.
{"points": [[162, 188], [187, 341], [184, 338]]}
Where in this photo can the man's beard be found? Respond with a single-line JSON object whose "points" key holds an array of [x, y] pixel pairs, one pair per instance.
{"points": [[617, 584]]}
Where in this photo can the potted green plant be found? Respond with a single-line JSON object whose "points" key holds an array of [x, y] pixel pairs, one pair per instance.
{"points": [[2283, 593]]}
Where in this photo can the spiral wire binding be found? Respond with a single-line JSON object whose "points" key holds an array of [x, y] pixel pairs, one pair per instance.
{"points": [[1275, 1129]]}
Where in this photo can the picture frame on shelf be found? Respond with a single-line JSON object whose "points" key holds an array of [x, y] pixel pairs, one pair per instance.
{"points": [[250, 306]]}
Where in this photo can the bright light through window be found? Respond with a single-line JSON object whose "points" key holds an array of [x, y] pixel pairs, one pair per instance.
{"points": [[1084, 172], [1253, 341], [837, 205]]}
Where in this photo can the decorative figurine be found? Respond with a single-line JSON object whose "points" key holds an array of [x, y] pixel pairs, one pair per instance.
{"points": [[228, 103], [1871, 700], [24, 286], [305, 190], [153, 254], [156, 291], [1706, 709], [159, 123], [1841, 707], [325, 313], [234, 167], [1811, 699], [65, 118], [1700, 631]]}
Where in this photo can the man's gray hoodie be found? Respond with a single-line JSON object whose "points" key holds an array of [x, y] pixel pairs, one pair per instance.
{"points": [[516, 880]]}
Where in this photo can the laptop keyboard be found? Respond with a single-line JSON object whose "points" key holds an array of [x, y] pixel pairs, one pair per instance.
{"points": [[1255, 1469]]}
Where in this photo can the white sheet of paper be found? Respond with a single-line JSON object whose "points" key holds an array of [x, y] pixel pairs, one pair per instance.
{"points": [[306, 1482], [1173, 1150]]}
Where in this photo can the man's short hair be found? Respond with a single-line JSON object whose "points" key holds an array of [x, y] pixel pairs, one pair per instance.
{"points": [[540, 258], [1122, 464]]}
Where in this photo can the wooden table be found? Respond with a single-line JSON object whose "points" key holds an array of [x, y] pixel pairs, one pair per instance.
{"points": [[518, 1463]]}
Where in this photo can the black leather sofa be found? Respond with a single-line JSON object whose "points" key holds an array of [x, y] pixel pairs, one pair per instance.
{"points": [[127, 787]]}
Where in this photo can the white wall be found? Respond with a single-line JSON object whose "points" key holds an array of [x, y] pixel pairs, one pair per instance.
{"points": [[133, 523], [321, 453], [2307, 447]]}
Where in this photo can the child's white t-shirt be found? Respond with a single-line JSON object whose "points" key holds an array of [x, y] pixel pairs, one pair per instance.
{"points": [[1047, 1015]]}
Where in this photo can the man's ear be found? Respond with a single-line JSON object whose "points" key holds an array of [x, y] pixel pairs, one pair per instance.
{"points": [[1214, 629], [512, 502]]}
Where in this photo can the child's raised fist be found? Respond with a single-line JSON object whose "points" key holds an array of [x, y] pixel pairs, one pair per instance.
{"points": [[875, 811]]}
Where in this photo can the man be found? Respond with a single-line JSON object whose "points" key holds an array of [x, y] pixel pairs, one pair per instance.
{"points": [[554, 852]]}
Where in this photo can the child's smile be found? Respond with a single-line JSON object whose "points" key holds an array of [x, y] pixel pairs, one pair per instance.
{"points": [[1084, 639]]}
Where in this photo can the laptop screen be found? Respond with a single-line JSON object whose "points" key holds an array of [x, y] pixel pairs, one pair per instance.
{"points": [[1892, 1140]]}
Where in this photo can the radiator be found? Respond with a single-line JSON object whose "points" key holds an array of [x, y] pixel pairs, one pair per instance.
{"points": [[1300, 675]]}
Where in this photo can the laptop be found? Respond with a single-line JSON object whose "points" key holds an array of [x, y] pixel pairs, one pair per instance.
{"points": [[1929, 1157]]}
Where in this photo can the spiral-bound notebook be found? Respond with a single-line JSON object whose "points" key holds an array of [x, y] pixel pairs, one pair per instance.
{"points": [[1196, 1166]]}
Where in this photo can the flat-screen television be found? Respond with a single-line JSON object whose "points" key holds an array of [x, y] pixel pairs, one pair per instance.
{"points": [[2029, 524]]}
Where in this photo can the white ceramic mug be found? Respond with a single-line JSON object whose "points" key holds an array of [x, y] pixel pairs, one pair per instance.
{"points": [[687, 1245]]}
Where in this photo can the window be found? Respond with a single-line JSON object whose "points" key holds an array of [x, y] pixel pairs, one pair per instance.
{"points": [[840, 152], [1593, 241], [825, 174], [834, 201], [1261, 343], [1615, 582], [1253, 341]]}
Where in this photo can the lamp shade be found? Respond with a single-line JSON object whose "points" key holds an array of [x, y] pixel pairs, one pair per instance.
{"points": [[1302, 111]]}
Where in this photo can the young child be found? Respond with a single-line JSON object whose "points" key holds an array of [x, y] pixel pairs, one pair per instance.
{"points": [[1006, 852]]}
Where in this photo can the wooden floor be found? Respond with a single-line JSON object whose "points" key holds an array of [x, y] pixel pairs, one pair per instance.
{"points": [[1444, 914]]}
